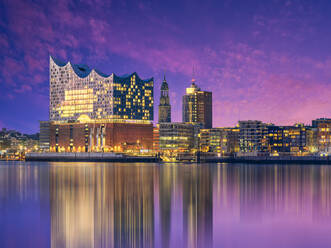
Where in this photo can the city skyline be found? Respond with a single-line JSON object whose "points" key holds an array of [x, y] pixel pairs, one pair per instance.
{"points": [[276, 69]]}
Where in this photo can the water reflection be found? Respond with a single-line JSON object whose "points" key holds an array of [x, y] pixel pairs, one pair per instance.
{"points": [[173, 205], [24, 205], [197, 206], [103, 206]]}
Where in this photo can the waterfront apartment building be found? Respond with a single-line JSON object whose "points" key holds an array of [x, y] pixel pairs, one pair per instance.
{"points": [[164, 105], [252, 137], [178, 136], [93, 111], [295, 139], [324, 136], [311, 139], [287, 140], [219, 141], [320, 121], [197, 106]]}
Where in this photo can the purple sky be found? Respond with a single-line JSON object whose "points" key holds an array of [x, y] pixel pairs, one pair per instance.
{"points": [[266, 60]]}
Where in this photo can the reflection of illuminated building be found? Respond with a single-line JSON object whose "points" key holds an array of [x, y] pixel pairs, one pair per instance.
{"points": [[102, 206], [255, 193], [79, 216], [117, 205], [165, 190], [24, 205], [198, 207], [134, 206], [105, 104]]}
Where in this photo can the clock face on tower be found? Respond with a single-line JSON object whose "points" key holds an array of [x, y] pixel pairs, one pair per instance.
{"points": [[162, 101]]}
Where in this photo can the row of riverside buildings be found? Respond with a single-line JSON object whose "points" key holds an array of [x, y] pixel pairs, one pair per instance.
{"points": [[90, 111]]}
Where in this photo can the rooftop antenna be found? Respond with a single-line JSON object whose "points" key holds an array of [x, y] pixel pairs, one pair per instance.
{"points": [[193, 74]]}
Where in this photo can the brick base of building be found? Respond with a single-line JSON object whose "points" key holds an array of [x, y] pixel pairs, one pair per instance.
{"points": [[94, 137]]}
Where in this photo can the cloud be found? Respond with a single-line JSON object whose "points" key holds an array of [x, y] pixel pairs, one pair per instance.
{"points": [[23, 89], [4, 44], [250, 84], [249, 78]]}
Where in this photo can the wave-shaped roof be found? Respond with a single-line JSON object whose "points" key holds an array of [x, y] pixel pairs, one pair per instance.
{"points": [[127, 76], [83, 71]]}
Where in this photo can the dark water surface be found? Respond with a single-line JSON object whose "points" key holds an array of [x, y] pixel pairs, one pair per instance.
{"points": [[172, 205]]}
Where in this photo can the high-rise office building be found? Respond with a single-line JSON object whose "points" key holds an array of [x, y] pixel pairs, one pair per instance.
{"points": [[92, 111], [197, 106], [164, 106]]}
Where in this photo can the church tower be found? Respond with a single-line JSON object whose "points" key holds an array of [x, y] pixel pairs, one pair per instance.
{"points": [[164, 106]]}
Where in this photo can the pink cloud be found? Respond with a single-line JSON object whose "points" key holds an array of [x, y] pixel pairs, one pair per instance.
{"points": [[4, 42], [285, 97], [247, 82], [23, 89]]}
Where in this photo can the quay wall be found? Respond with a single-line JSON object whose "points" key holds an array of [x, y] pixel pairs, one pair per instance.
{"points": [[87, 157]]}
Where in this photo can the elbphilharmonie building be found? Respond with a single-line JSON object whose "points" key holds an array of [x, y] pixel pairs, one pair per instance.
{"points": [[80, 93], [93, 111]]}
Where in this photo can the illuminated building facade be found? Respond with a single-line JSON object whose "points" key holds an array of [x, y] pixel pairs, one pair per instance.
{"points": [[251, 136], [324, 136], [318, 121], [287, 140], [176, 136], [164, 106], [78, 92], [156, 138], [295, 139], [223, 141], [92, 111], [311, 139], [101, 137], [44, 135], [275, 138], [197, 106]]}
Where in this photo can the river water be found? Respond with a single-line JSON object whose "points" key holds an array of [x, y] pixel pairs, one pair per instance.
{"points": [[168, 205]]}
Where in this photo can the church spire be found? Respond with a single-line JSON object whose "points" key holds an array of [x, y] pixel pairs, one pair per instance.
{"points": [[164, 106]]}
